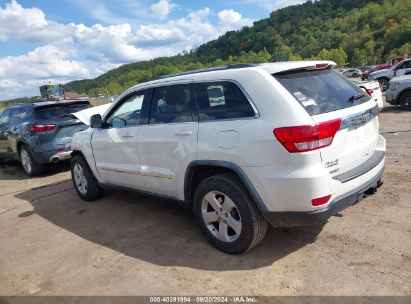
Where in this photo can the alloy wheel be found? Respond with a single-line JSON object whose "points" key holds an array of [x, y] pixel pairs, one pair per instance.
{"points": [[25, 160], [221, 216], [407, 102], [80, 179]]}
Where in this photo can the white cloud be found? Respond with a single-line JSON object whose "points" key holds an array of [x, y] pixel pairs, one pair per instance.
{"points": [[162, 8], [271, 5], [38, 66], [71, 51], [231, 19]]}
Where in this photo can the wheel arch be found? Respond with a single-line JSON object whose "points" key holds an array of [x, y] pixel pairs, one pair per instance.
{"points": [[383, 77], [20, 143], [76, 152], [406, 90], [200, 169]]}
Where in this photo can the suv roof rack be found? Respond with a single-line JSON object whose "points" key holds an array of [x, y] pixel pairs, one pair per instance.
{"points": [[220, 68]]}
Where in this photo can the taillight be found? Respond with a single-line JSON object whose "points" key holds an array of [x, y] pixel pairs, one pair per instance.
{"points": [[41, 128], [369, 91], [320, 201], [321, 66], [309, 137]]}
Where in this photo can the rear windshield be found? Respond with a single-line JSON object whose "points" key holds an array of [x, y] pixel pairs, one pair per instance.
{"points": [[60, 111], [321, 91]]}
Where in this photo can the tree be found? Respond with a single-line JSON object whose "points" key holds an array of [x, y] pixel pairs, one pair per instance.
{"points": [[359, 58], [345, 31]]}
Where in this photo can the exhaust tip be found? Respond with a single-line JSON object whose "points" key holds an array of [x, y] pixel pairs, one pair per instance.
{"points": [[55, 159]]}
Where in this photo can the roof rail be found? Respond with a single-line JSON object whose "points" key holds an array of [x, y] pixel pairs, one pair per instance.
{"points": [[220, 68]]}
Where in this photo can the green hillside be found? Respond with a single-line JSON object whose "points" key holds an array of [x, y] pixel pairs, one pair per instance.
{"points": [[353, 33]]}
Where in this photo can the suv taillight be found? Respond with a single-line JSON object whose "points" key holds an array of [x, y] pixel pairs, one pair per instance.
{"points": [[370, 92], [308, 138], [41, 128]]}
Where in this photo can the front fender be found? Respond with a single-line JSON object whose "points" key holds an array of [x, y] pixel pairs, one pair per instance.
{"points": [[81, 142]]}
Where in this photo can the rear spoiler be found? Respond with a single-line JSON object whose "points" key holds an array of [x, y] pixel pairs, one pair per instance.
{"points": [[316, 67], [47, 104]]}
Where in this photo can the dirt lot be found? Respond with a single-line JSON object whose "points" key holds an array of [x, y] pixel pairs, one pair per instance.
{"points": [[51, 243]]}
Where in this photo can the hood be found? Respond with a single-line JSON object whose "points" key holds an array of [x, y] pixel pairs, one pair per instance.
{"points": [[84, 115], [384, 71]]}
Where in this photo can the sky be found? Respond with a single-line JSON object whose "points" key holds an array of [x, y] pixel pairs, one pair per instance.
{"points": [[64, 40]]}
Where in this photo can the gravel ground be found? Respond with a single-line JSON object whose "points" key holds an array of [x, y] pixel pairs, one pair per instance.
{"points": [[52, 243]]}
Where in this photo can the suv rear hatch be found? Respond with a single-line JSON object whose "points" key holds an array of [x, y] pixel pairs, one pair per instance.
{"points": [[328, 97], [55, 124]]}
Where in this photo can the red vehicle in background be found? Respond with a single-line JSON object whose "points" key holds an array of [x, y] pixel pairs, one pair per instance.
{"points": [[397, 59], [374, 68], [391, 62]]}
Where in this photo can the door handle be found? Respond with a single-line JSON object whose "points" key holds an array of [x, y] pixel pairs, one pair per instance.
{"points": [[127, 135], [184, 133]]}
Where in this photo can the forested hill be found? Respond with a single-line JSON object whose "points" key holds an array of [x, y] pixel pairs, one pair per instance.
{"points": [[350, 32]]}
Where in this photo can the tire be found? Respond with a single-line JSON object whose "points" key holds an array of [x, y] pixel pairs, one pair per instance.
{"points": [[234, 229], [383, 83], [30, 166], [405, 100], [85, 183]]}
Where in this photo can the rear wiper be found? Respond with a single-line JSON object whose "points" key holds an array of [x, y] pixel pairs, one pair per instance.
{"points": [[355, 97], [67, 115]]}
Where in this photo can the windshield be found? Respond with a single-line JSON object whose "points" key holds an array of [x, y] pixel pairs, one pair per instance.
{"points": [[60, 111], [321, 91]]}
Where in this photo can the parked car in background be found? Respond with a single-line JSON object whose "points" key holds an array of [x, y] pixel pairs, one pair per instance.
{"points": [[286, 143], [396, 59], [384, 76], [373, 89], [39, 132], [399, 92], [374, 68], [354, 73]]}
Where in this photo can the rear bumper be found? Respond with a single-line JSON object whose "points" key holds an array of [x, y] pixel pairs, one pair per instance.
{"points": [[60, 156], [50, 156], [319, 217]]}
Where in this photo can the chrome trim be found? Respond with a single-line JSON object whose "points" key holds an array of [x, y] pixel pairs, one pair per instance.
{"points": [[141, 87], [133, 90], [359, 119], [139, 172], [156, 174], [60, 156], [117, 170]]}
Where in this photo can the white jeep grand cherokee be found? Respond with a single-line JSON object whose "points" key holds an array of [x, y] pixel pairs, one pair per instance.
{"points": [[288, 144]]}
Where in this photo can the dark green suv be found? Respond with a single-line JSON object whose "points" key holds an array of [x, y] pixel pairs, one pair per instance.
{"points": [[39, 132]]}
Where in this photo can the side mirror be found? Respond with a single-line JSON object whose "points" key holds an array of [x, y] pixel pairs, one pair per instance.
{"points": [[407, 73], [95, 121]]}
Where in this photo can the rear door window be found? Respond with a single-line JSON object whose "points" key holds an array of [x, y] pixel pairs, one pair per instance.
{"points": [[321, 91], [63, 111], [17, 115], [171, 104], [222, 100]]}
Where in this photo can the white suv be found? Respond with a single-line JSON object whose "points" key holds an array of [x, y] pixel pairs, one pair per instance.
{"points": [[288, 144]]}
